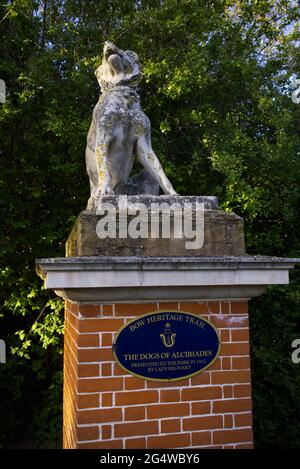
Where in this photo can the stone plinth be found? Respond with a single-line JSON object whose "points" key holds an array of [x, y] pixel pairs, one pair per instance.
{"points": [[223, 232], [132, 279]]}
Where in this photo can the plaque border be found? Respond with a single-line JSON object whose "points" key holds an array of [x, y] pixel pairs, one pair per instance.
{"points": [[166, 379]]}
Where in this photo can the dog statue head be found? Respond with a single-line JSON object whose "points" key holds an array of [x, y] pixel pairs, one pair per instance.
{"points": [[118, 68]]}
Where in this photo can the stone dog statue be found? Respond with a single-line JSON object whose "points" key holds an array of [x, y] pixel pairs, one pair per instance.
{"points": [[119, 130]]}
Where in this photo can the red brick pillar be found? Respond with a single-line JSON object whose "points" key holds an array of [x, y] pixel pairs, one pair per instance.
{"points": [[106, 408]]}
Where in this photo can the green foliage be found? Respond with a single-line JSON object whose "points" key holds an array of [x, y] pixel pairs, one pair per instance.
{"points": [[216, 88], [274, 325]]}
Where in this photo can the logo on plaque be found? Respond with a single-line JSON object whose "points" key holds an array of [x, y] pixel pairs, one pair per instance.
{"points": [[167, 337], [166, 345]]}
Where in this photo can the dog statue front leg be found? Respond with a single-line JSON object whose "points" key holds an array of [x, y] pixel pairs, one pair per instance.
{"points": [[104, 178], [148, 159]]}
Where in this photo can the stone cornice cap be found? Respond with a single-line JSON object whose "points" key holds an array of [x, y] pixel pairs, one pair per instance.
{"points": [[141, 279]]}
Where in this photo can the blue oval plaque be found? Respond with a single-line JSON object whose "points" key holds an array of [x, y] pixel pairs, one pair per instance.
{"points": [[166, 345]]}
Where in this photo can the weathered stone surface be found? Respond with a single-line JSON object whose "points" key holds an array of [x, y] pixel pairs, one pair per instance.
{"points": [[210, 202], [223, 235], [119, 129]]}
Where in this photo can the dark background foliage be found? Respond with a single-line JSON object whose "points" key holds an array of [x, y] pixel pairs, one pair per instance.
{"points": [[217, 88]]}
